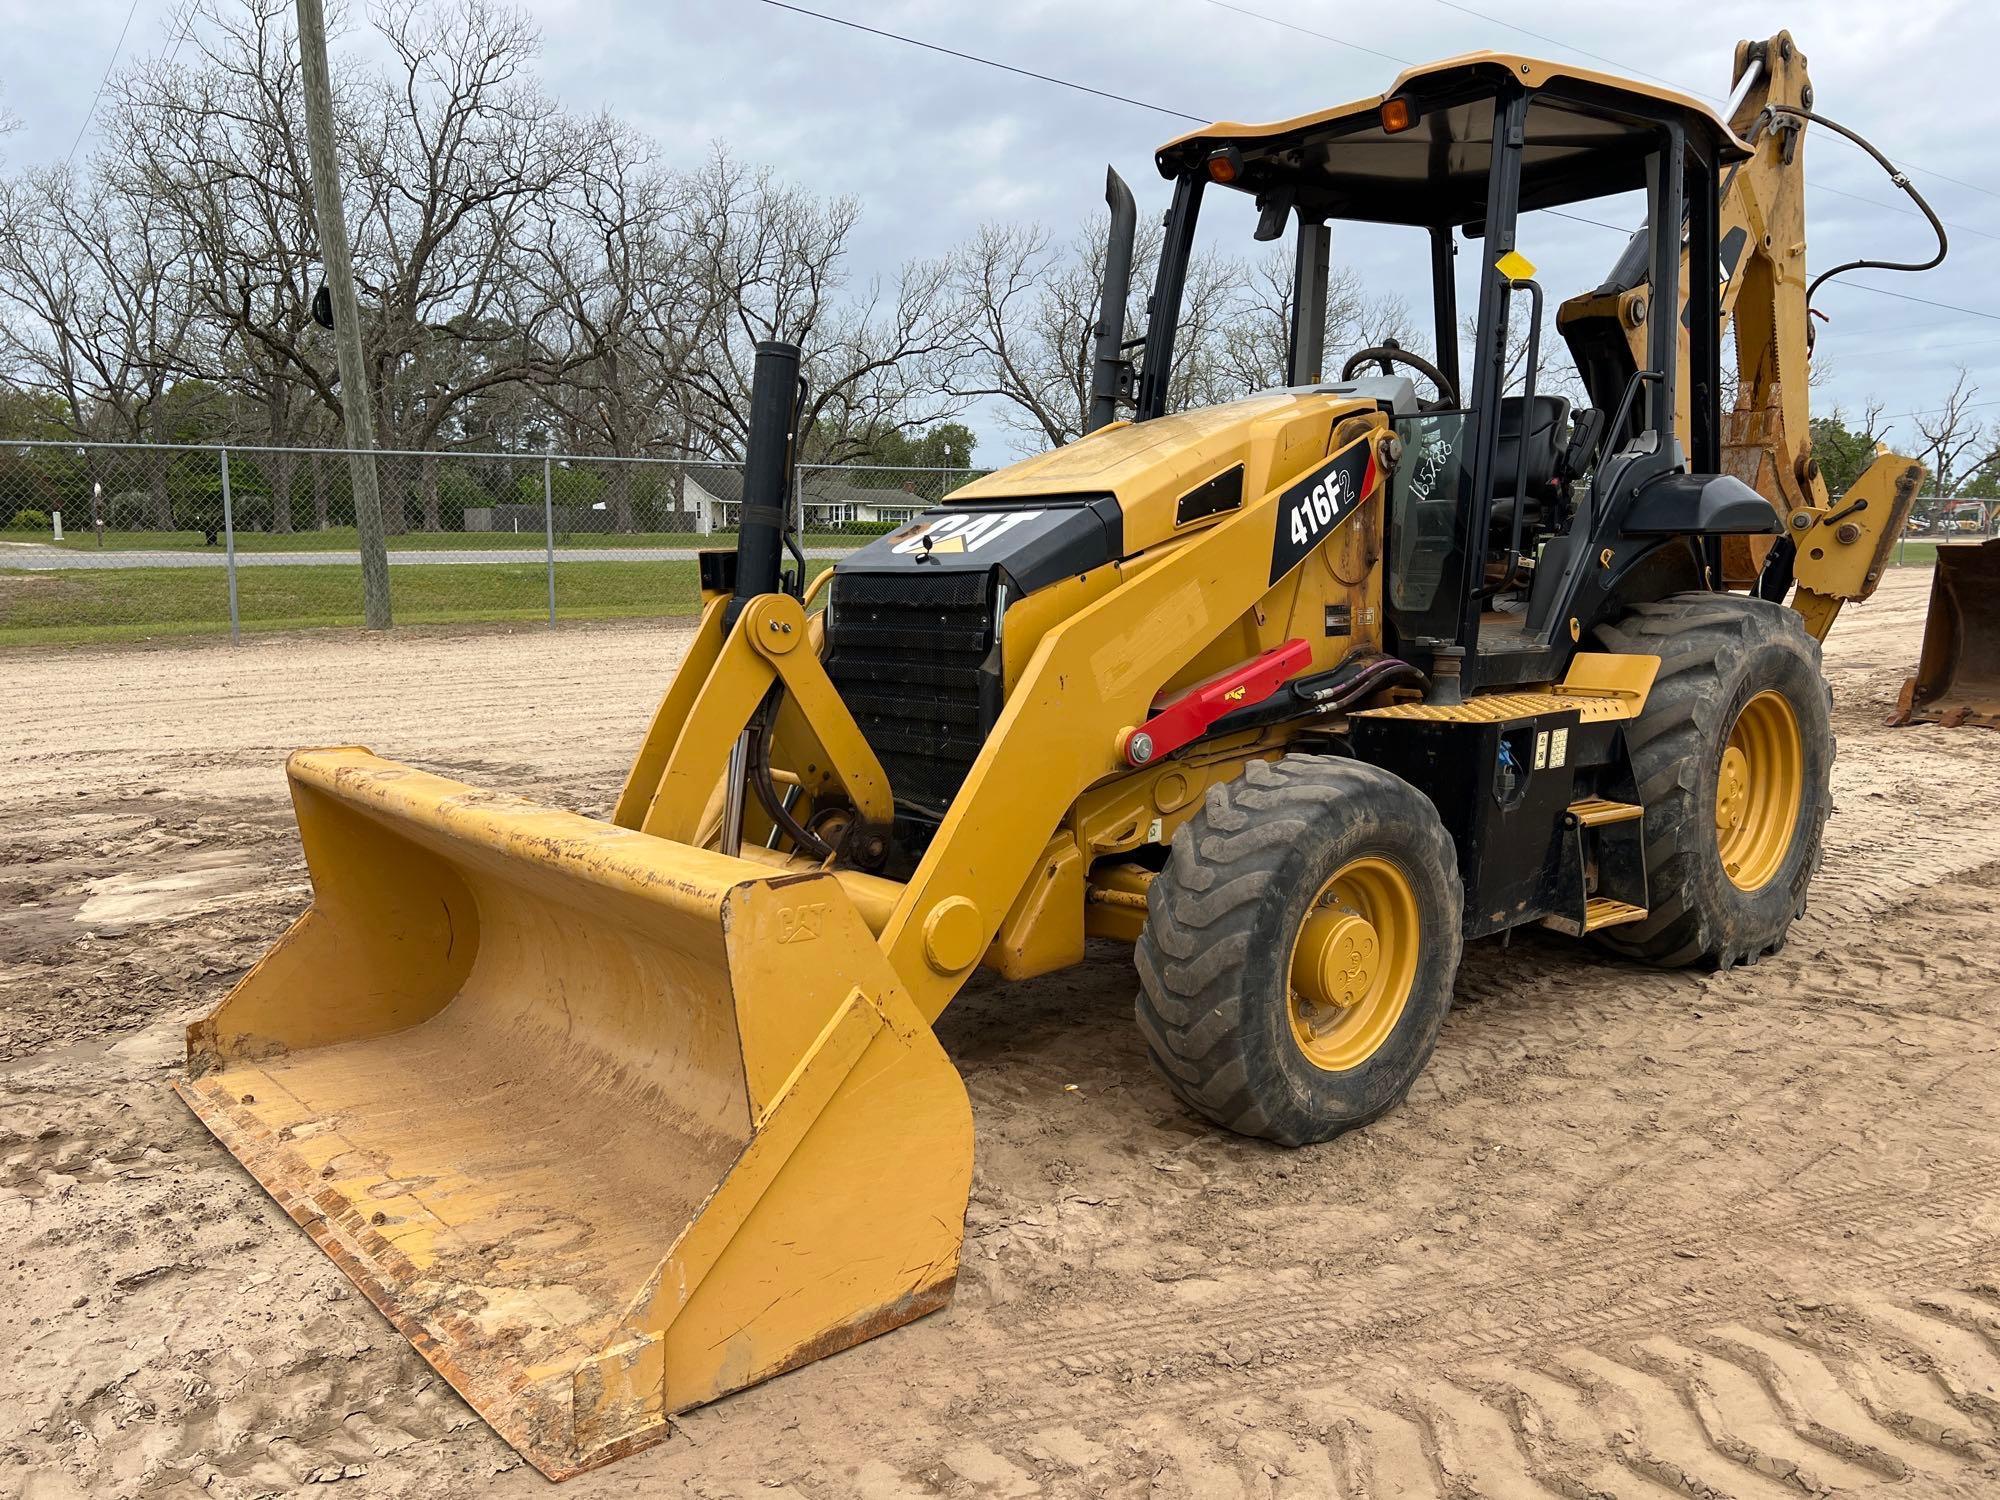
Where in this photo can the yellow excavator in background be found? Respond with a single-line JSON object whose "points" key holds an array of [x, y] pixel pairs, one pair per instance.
{"points": [[1296, 695]]}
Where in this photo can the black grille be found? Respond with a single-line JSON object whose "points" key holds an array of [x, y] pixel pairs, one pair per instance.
{"points": [[909, 653]]}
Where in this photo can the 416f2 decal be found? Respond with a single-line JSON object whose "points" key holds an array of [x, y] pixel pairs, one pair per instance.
{"points": [[1314, 505]]}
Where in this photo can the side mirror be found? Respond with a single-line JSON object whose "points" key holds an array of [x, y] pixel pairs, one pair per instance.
{"points": [[1273, 210]]}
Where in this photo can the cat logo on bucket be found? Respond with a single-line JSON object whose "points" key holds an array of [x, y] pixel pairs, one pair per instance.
{"points": [[800, 924]]}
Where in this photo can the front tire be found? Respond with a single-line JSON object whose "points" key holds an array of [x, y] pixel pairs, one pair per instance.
{"points": [[1300, 947], [1733, 756]]}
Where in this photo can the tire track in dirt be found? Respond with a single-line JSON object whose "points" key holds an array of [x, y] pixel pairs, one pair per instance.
{"points": [[1482, 1296], [1785, 1209], [1462, 1317], [1760, 1422], [1732, 1401], [1867, 874]]}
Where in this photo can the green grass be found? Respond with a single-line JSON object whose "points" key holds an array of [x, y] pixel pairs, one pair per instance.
{"points": [[83, 605], [80, 605], [343, 539]]}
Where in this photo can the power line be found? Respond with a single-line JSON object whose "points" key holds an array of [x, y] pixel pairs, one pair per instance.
{"points": [[187, 26], [102, 83], [1905, 297], [1896, 208], [1934, 410], [1857, 286], [1946, 177], [1670, 83], [1818, 187], [1180, 114], [1338, 41], [1566, 46], [1083, 88], [1583, 219], [1907, 345], [1897, 328], [1926, 349], [985, 62]]}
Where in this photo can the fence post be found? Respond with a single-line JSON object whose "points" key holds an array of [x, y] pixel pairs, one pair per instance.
{"points": [[229, 553], [549, 530]]}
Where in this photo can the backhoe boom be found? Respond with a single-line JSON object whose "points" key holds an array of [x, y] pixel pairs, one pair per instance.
{"points": [[1834, 551]]}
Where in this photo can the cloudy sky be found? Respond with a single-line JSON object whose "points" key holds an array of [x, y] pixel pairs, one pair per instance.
{"points": [[932, 145]]}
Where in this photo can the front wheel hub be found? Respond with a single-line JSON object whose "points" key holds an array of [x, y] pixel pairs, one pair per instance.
{"points": [[1354, 963], [1335, 962], [1759, 787]]}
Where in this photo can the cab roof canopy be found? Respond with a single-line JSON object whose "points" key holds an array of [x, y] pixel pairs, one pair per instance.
{"points": [[1588, 136]]}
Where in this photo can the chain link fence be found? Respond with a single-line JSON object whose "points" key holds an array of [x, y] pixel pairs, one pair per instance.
{"points": [[106, 541]]}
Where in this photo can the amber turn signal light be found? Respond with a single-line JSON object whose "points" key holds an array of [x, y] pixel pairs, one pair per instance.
{"points": [[1397, 115]]}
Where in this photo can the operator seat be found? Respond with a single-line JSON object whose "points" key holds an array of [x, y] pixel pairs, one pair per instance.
{"points": [[1545, 432], [1559, 448]]}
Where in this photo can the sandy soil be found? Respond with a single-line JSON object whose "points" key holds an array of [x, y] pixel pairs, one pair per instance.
{"points": [[1634, 1233]]}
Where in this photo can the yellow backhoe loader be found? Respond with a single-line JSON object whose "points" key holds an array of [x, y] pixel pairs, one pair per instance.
{"points": [[1296, 695]]}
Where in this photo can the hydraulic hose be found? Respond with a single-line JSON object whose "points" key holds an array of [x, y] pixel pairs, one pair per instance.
{"points": [[762, 783], [1360, 676], [1896, 175]]}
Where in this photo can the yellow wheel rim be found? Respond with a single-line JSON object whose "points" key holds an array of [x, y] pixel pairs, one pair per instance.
{"points": [[1354, 962], [1758, 789]]}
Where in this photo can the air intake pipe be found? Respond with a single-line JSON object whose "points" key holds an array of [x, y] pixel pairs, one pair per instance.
{"points": [[767, 468]]}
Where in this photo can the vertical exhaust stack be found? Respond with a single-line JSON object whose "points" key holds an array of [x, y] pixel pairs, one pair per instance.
{"points": [[1110, 371], [767, 464]]}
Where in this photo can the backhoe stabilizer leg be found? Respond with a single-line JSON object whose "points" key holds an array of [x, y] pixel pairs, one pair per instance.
{"points": [[1843, 548]]}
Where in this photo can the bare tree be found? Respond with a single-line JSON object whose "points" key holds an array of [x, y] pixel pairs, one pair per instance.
{"points": [[526, 275], [770, 263], [1032, 309], [1949, 435], [1256, 339], [217, 145], [610, 260], [447, 151], [455, 145], [94, 308], [1032, 304]]}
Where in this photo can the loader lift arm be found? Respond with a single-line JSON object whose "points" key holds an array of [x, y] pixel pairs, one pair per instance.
{"points": [[1832, 551]]}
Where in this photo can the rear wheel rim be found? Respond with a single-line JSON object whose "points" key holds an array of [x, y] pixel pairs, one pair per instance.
{"points": [[1354, 963], [1760, 785]]}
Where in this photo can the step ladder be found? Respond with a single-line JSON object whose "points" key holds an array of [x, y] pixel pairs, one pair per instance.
{"points": [[1601, 875]]}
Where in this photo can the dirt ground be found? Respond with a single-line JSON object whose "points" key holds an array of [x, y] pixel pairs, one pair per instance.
{"points": [[1634, 1233]]}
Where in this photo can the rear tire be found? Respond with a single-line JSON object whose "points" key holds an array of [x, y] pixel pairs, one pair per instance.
{"points": [[1733, 756], [1300, 947]]}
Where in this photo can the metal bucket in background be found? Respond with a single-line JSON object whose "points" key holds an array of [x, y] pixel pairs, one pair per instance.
{"points": [[1958, 670]]}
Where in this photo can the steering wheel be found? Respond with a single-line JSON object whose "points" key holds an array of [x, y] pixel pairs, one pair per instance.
{"points": [[1391, 354]]}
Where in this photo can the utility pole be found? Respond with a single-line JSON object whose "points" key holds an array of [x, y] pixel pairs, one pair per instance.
{"points": [[339, 266]]}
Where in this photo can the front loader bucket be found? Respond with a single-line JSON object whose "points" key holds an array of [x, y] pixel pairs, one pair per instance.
{"points": [[606, 1125], [1958, 672]]}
